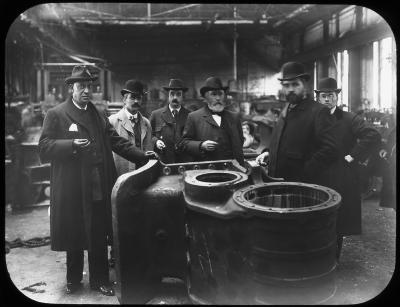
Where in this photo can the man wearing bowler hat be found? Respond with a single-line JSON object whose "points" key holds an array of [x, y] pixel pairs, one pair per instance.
{"points": [[131, 124], [78, 142], [167, 124], [213, 133], [303, 142], [356, 140]]}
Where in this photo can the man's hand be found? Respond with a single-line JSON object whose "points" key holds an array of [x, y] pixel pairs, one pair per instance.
{"points": [[160, 144], [209, 145], [151, 155], [80, 143], [349, 158], [260, 159], [383, 153]]}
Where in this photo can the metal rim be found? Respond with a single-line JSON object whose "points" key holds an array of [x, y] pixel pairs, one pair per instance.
{"points": [[333, 198]]}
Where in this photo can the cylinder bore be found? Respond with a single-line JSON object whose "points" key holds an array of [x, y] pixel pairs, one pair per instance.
{"points": [[203, 188], [287, 196], [216, 177]]}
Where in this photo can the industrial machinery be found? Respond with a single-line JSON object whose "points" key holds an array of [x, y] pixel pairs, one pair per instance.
{"points": [[232, 234]]}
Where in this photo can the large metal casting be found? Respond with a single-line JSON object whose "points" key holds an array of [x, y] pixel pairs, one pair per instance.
{"points": [[148, 225], [232, 234], [271, 243]]}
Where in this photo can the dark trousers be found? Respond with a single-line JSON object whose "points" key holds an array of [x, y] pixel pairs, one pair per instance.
{"points": [[97, 255]]}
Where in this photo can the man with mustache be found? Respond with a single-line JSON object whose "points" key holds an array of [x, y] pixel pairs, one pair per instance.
{"points": [[213, 133], [168, 122], [78, 142], [357, 140], [303, 142], [131, 124]]}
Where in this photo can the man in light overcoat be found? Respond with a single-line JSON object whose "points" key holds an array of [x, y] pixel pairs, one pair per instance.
{"points": [[131, 124]]}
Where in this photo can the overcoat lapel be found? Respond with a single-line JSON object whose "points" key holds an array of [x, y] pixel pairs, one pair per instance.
{"points": [[73, 113], [208, 117], [167, 116], [125, 122]]}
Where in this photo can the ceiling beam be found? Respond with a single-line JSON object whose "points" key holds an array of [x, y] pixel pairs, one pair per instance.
{"points": [[293, 14]]}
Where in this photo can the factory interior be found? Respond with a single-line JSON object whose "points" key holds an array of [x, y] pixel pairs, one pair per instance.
{"points": [[245, 45]]}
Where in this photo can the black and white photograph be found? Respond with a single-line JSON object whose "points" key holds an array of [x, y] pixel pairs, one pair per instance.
{"points": [[198, 153]]}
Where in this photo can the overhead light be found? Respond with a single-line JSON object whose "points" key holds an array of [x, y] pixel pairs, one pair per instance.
{"points": [[183, 22], [228, 22]]}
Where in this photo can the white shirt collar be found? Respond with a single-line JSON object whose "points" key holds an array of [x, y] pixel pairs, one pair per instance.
{"points": [[129, 114], [333, 110], [79, 107], [178, 109], [217, 118]]}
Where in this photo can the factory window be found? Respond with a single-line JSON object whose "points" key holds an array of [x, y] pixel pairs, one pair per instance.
{"points": [[383, 74], [370, 17], [342, 68], [313, 34], [347, 20], [332, 26]]}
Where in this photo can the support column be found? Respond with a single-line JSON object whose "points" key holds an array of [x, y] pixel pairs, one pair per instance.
{"points": [[355, 79]]}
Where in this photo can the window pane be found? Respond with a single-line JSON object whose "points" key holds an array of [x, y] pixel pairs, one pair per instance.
{"points": [[375, 75], [386, 80], [347, 20]]}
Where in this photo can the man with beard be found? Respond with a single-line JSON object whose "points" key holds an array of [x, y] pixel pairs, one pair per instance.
{"points": [[168, 123], [303, 142], [131, 124], [78, 142], [213, 133], [357, 139]]}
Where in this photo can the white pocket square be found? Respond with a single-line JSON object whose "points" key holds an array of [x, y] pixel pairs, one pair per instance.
{"points": [[73, 127]]}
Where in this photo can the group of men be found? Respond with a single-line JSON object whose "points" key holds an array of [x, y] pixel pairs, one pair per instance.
{"points": [[312, 142]]}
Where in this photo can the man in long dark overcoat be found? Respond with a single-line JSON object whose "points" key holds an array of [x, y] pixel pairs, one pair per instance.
{"points": [[212, 132], [303, 142], [77, 140], [356, 140], [168, 122]]}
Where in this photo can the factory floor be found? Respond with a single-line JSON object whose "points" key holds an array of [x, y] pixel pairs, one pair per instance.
{"points": [[366, 265]]}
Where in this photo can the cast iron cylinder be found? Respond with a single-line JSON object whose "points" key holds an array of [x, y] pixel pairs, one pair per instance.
{"points": [[270, 243]]}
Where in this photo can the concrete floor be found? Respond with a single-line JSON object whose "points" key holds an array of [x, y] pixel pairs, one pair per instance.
{"points": [[366, 265]]}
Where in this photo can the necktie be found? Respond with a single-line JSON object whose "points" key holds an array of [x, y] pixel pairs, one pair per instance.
{"points": [[291, 107], [133, 119], [174, 113]]}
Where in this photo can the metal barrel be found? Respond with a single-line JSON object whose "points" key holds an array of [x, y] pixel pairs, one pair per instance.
{"points": [[271, 243]]}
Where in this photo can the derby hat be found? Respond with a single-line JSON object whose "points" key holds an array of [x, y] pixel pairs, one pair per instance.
{"points": [[293, 70], [175, 84], [134, 87], [211, 84], [327, 85], [80, 73]]}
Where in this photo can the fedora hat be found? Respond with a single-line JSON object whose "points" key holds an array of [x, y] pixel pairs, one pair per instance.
{"points": [[327, 85], [211, 84], [293, 70], [134, 87], [175, 84], [80, 73]]}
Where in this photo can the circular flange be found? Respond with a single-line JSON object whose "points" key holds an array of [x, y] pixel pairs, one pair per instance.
{"points": [[287, 197]]}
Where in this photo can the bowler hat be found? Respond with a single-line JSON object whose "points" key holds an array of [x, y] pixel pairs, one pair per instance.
{"points": [[80, 73], [327, 85], [134, 87], [293, 70], [175, 84], [211, 84]]}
